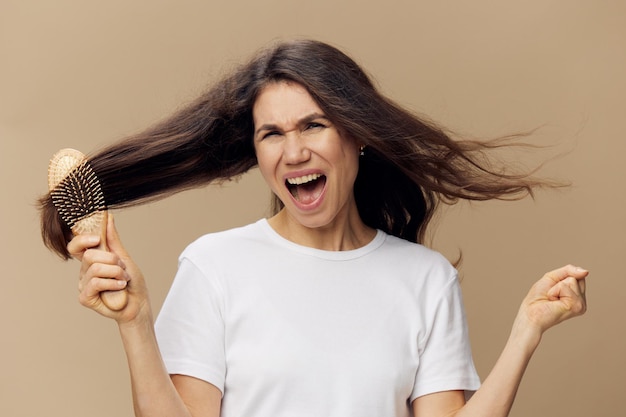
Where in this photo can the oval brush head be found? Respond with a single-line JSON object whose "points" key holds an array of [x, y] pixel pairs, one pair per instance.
{"points": [[78, 198], [76, 192]]}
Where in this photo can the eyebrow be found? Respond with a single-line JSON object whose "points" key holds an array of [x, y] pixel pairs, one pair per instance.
{"points": [[306, 119]]}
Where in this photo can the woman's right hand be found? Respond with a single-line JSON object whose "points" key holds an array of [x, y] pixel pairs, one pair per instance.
{"points": [[111, 270]]}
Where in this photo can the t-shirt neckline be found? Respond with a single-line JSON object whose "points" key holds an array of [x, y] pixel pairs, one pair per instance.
{"points": [[275, 237]]}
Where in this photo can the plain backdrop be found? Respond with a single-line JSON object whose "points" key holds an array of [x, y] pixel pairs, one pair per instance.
{"points": [[82, 74]]}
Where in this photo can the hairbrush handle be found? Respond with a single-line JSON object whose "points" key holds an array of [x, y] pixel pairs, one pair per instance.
{"points": [[115, 300], [77, 195]]}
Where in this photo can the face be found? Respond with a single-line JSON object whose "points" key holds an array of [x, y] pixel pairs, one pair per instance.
{"points": [[304, 159]]}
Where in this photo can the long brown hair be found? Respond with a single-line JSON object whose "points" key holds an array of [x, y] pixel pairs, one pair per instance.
{"points": [[410, 164]]}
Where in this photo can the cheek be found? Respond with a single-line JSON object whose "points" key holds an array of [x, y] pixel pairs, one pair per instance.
{"points": [[267, 167], [351, 161], [262, 156]]}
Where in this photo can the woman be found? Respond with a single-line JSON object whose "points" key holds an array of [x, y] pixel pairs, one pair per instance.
{"points": [[331, 307]]}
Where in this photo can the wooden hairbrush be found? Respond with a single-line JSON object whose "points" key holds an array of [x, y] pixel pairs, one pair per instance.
{"points": [[77, 195]]}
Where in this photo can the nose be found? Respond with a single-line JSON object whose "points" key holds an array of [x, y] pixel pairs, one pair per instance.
{"points": [[295, 149]]}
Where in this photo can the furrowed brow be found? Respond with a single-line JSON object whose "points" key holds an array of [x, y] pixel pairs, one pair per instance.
{"points": [[313, 116], [303, 121], [265, 127]]}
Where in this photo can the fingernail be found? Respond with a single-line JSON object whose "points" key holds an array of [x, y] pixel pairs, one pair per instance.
{"points": [[579, 269], [121, 264], [121, 283]]}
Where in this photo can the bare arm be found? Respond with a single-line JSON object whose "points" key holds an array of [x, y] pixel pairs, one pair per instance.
{"points": [[154, 392], [556, 297]]}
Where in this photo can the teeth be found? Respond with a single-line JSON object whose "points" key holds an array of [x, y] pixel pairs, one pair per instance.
{"points": [[303, 179]]}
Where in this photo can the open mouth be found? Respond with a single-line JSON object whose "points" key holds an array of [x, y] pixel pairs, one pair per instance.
{"points": [[307, 188]]}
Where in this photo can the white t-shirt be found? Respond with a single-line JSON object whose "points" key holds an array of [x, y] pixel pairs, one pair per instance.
{"points": [[287, 330]]}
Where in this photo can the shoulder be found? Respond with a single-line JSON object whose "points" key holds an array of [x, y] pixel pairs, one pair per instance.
{"points": [[223, 242], [415, 254], [426, 272]]}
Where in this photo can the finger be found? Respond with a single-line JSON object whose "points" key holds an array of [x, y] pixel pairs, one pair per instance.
{"points": [[97, 263], [107, 271], [567, 287], [80, 243], [567, 271], [90, 294], [95, 256], [113, 283], [568, 293], [98, 271]]}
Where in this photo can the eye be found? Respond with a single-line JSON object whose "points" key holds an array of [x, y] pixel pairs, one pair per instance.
{"points": [[270, 133], [314, 125]]}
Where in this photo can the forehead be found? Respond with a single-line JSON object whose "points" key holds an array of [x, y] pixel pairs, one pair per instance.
{"points": [[283, 102]]}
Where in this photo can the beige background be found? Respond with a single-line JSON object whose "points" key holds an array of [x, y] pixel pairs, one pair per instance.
{"points": [[81, 74]]}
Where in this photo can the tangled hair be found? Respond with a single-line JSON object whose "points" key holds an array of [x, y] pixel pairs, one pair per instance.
{"points": [[410, 166]]}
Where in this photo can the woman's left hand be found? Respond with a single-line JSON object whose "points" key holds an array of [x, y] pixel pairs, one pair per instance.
{"points": [[556, 297]]}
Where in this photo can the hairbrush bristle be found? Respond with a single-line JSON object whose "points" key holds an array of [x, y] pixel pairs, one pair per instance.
{"points": [[76, 192]]}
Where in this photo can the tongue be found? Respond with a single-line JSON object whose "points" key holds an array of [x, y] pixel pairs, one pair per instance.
{"points": [[309, 192]]}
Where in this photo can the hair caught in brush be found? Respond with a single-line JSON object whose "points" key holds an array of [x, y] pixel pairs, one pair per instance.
{"points": [[409, 167]]}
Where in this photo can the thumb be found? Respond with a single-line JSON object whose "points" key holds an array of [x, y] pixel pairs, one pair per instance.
{"points": [[113, 238], [554, 292]]}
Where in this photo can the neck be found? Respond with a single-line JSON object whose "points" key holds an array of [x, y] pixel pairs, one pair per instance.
{"points": [[340, 235]]}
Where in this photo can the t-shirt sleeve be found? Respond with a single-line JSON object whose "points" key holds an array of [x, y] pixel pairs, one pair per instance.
{"points": [[190, 326], [445, 361]]}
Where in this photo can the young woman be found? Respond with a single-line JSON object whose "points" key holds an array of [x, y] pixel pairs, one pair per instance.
{"points": [[331, 307]]}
